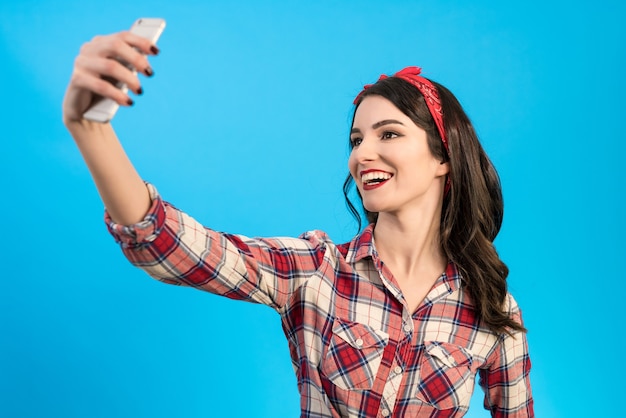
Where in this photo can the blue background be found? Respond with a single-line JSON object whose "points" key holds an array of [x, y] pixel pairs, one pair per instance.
{"points": [[245, 127]]}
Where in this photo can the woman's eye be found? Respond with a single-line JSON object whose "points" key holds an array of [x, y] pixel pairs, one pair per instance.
{"points": [[356, 141], [389, 135]]}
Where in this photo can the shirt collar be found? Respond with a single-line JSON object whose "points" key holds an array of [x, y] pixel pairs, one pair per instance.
{"points": [[451, 280], [362, 246]]}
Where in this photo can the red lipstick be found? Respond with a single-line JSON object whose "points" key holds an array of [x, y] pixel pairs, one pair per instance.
{"points": [[374, 182]]}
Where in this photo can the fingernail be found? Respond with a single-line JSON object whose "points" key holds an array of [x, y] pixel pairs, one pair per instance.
{"points": [[130, 102], [154, 50], [140, 91], [149, 72]]}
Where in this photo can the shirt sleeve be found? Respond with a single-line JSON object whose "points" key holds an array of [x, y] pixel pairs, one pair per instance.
{"points": [[506, 381], [174, 248]]}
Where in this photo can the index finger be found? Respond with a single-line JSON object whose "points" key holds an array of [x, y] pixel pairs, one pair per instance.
{"points": [[141, 43]]}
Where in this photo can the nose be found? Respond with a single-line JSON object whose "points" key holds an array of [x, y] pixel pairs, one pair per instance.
{"points": [[365, 151]]}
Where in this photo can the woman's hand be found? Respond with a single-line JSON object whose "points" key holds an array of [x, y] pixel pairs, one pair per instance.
{"points": [[97, 60]]}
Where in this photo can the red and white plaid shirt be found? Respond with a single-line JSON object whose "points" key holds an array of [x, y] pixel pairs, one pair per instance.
{"points": [[356, 349]]}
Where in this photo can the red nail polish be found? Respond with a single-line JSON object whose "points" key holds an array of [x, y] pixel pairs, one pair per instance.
{"points": [[140, 91], [154, 50], [130, 102], [149, 72]]}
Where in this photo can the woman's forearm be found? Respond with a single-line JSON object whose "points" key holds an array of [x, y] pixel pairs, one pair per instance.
{"points": [[121, 188]]}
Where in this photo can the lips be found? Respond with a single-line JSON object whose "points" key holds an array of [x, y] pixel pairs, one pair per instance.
{"points": [[373, 179]]}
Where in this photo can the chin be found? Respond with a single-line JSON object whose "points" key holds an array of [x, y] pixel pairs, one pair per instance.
{"points": [[373, 208]]}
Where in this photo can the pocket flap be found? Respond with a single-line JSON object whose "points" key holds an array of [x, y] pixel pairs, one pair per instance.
{"points": [[359, 335], [449, 354]]}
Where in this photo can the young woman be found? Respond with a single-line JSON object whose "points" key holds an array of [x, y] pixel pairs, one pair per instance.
{"points": [[398, 321]]}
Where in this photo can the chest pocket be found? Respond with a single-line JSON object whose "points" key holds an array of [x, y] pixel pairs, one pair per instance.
{"points": [[354, 354], [446, 377]]}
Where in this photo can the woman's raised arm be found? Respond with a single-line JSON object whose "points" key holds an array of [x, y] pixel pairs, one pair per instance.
{"points": [[121, 188]]}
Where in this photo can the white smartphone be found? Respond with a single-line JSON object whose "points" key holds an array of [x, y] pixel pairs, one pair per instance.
{"points": [[103, 109]]}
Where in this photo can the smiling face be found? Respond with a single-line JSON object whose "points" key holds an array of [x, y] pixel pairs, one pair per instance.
{"points": [[391, 162]]}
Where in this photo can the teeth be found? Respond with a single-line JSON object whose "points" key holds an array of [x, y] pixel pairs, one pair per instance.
{"points": [[375, 175]]}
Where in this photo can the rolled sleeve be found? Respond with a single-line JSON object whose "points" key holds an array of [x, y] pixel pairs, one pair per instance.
{"points": [[143, 232], [172, 247]]}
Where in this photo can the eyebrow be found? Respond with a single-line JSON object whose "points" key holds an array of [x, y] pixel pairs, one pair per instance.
{"points": [[379, 124]]}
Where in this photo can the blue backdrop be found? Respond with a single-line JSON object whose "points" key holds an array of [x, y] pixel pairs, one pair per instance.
{"points": [[245, 127]]}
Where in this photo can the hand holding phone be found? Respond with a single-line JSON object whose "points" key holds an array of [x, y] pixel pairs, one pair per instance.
{"points": [[103, 109]]}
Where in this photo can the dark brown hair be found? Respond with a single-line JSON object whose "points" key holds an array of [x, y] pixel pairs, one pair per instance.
{"points": [[473, 208]]}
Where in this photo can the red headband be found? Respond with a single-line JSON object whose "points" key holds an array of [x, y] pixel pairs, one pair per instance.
{"points": [[428, 90]]}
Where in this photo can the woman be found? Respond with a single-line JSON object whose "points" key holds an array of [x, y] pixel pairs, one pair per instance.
{"points": [[398, 321]]}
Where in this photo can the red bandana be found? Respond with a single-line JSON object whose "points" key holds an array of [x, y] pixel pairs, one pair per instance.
{"points": [[428, 90]]}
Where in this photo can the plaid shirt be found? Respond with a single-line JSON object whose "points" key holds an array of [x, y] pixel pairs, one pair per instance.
{"points": [[356, 349]]}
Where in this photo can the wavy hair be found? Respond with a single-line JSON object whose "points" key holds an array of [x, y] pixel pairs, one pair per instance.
{"points": [[473, 208]]}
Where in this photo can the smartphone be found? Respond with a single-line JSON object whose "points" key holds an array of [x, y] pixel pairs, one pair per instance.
{"points": [[103, 109]]}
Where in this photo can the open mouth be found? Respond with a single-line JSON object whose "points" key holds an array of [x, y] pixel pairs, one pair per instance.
{"points": [[374, 179]]}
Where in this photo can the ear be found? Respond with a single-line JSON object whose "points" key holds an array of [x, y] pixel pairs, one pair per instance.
{"points": [[443, 168]]}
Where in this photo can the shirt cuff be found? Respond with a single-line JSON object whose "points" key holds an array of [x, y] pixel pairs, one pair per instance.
{"points": [[143, 232]]}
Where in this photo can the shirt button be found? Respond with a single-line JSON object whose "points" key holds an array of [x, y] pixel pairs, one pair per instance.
{"points": [[397, 369], [407, 328], [359, 342], [385, 412]]}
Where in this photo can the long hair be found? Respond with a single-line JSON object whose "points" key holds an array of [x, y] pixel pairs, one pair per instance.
{"points": [[473, 208]]}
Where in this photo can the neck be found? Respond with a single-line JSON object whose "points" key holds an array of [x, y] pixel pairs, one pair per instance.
{"points": [[410, 244]]}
